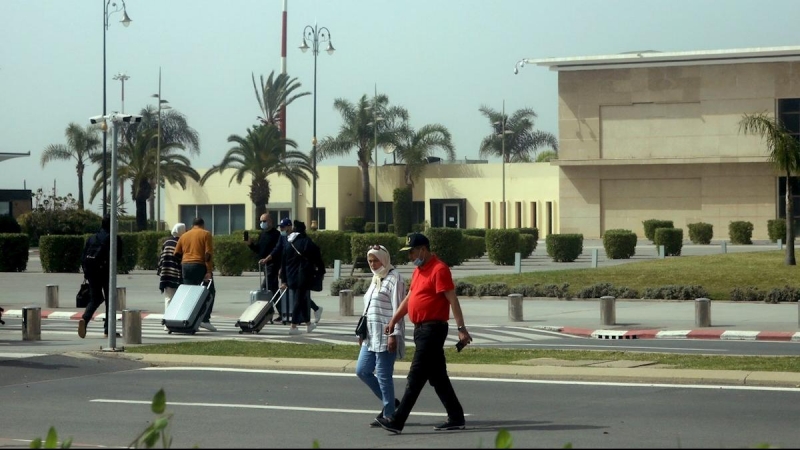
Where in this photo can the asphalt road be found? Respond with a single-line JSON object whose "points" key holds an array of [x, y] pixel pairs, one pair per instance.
{"points": [[107, 404]]}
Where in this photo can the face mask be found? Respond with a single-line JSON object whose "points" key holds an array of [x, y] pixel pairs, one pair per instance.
{"points": [[283, 233], [418, 262], [264, 225]]}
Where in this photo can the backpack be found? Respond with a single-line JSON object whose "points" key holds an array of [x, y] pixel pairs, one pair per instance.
{"points": [[95, 256]]}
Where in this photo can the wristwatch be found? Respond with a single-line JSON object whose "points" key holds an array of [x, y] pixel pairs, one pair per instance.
{"points": [[464, 328]]}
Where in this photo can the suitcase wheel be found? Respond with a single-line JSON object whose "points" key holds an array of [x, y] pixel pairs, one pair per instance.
{"points": [[240, 331], [169, 332]]}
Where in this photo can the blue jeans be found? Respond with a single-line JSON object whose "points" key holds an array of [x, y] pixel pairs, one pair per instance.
{"points": [[375, 369]]}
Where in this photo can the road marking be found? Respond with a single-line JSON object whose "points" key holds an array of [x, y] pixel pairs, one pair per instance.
{"points": [[21, 355], [273, 407]]}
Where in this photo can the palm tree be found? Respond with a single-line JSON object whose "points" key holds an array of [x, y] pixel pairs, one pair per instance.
{"points": [[260, 154], [358, 130], [82, 144], [275, 95], [546, 156], [414, 147], [136, 162], [521, 143], [784, 151]]}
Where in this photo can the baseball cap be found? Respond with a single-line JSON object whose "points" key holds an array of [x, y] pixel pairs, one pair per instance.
{"points": [[415, 240], [285, 222]]}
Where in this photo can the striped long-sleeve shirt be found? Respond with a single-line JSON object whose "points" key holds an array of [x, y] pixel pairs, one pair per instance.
{"points": [[383, 303], [169, 266]]}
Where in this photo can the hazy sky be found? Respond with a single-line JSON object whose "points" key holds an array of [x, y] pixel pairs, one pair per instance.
{"points": [[440, 59]]}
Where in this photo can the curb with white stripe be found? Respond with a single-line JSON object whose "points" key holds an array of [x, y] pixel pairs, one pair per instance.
{"points": [[69, 315], [730, 335]]}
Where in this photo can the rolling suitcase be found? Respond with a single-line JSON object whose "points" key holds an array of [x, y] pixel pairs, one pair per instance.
{"points": [[258, 314], [187, 308], [260, 295]]}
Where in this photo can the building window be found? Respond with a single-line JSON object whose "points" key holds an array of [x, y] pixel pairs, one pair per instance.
{"points": [[781, 200], [5, 208], [219, 219], [418, 215], [279, 214], [320, 218], [789, 115]]}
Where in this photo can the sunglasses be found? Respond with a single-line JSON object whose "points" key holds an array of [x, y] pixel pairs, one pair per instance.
{"points": [[376, 247]]}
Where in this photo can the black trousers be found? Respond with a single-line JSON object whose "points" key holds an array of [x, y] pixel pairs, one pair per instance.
{"points": [[429, 365], [193, 274], [299, 302], [98, 289]]}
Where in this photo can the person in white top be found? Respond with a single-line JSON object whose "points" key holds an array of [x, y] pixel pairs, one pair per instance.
{"points": [[379, 351]]}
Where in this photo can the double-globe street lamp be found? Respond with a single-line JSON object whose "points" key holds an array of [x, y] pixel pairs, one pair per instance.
{"points": [[316, 35], [162, 104], [126, 21]]}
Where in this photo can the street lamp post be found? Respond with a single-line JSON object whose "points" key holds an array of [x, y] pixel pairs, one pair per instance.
{"points": [[161, 105], [316, 35], [500, 128], [375, 119], [125, 21], [122, 78]]}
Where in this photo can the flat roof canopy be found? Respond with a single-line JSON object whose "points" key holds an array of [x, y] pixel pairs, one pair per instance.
{"points": [[5, 156], [652, 58]]}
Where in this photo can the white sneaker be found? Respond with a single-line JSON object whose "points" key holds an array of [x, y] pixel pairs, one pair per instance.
{"points": [[318, 315], [294, 331], [165, 328], [208, 326], [310, 327]]}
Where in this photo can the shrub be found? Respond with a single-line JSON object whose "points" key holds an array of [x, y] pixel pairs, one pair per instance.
{"points": [[478, 232], [42, 222], [776, 229], [231, 255], [419, 227], [9, 224], [360, 244], [671, 239], [369, 227], [785, 294], [357, 285], [604, 289], [492, 289], [390, 229], [675, 292], [619, 244], [334, 245], [149, 248], [527, 244], [527, 290], [61, 254], [531, 231], [740, 232], [554, 290], [130, 252], [701, 233], [354, 224], [747, 294], [564, 247], [501, 245], [464, 289], [14, 251], [402, 210], [650, 226], [446, 243], [472, 247]]}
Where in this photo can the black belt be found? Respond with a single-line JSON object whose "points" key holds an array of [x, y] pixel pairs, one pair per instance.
{"points": [[430, 322]]}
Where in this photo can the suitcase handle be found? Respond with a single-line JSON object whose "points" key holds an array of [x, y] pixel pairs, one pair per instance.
{"points": [[207, 286]]}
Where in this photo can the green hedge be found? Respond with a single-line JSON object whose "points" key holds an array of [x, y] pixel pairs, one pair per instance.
{"points": [[9, 225], [149, 248], [740, 232], [354, 224], [501, 245], [479, 232], [360, 244], [334, 245], [701, 233], [776, 228], [527, 244], [58, 222], [650, 226], [446, 243], [130, 252], [472, 247], [671, 239], [369, 227], [531, 231], [231, 255], [14, 251], [61, 254], [564, 247], [619, 244], [402, 211]]}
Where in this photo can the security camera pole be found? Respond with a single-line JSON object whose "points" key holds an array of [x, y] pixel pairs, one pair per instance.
{"points": [[115, 119]]}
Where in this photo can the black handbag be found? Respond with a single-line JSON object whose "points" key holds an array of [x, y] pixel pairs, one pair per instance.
{"points": [[84, 295], [361, 328], [309, 276]]}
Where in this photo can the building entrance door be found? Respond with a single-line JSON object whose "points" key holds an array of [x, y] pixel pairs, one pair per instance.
{"points": [[451, 215]]}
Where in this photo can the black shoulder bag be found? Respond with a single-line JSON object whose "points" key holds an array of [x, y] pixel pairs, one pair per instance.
{"points": [[308, 276]]}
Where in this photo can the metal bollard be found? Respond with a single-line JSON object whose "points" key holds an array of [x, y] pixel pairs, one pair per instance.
{"points": [[51, 296], [702, 312], [595, 253], [132, 326], [608, 310], [121, 298], [517, 262], [31, 323], [662, 253], [346, 302], [515, 307], [780, 244], [337, 269], [724, 247]]}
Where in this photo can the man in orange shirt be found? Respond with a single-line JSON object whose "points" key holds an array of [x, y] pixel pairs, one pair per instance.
{"points": [[195, 249], [428, 303]]}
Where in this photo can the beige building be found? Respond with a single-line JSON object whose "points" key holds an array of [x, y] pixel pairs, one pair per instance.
{"points": [[654, 135], [457, 194]]}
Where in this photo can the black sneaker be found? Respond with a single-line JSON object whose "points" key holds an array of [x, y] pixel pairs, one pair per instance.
{"points": [[389, 425], [449, 425], [375, 423]]}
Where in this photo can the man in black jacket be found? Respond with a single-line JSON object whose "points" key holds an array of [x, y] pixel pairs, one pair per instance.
{"points": [[300, 253], [267, 240], [95, 264]]}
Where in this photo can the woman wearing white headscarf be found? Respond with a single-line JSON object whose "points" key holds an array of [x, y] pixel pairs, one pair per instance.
{"points": [[169, 267], [375, 365]]}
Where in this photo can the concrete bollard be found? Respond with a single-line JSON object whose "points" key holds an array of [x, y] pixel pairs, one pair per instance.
{"points": [[724, 247], [702, 312], [132, 326], [780, 244], [337, 269], [31, 323], [515, 307], [517, 262], [346, 302], [662, 253], [595, 254], [121, 298], [51, 296], [608, 310]]}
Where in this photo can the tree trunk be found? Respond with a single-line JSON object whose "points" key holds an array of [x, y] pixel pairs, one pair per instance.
{"points": [[141, 205], [790, 260], [80, 186], [365, 188]]}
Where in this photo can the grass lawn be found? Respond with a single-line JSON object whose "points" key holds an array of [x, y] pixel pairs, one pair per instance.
{"points": [[472, 355], [718, 274]]}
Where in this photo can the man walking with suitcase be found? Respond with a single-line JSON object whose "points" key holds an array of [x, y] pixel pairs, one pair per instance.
{"points": [[267, 240], [195, 248]]}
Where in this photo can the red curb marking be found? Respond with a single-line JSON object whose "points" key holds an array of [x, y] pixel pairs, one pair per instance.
{"points": [[641, 334], [704, 334], [577, 331], [775, 336]]}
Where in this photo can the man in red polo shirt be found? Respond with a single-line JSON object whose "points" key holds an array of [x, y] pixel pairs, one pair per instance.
{"points": [[428, 303]]}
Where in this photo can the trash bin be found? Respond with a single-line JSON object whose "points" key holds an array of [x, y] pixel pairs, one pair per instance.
{"points": [[31, 323], [132, 326]]}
